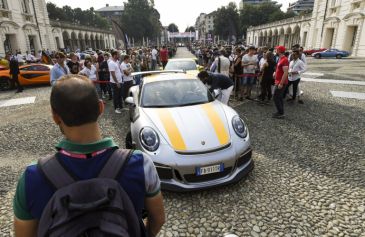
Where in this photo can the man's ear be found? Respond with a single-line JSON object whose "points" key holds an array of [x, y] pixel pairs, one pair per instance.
{"points": [[101, 107], [56, 118]]}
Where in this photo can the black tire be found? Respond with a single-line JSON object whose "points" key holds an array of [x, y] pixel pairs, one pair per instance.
{"points": [[128, 141], [317, 56], [338, 56], [5, 83]]}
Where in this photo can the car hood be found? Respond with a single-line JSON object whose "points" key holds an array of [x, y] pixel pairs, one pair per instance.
{"points": [[189, 129]]}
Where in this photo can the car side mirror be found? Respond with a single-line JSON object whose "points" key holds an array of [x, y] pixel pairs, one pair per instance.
{"points": [[129, 101], [200, 68]]}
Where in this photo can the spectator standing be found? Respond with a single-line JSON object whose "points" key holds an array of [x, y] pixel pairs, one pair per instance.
{"points": [[29, 57], [267, 81], [14, 72], [237, 67], [164, 56], [90, 72], [83, 153], [296, 68], [221, 64], [281, 81], [59, 69], [249, 64], [19, 57], [127, 70], [104, 76], [116, 82], [73, 64], [154, 54]]}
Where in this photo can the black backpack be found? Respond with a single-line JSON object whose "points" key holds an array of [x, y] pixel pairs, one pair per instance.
{"points": [[88, 208]]}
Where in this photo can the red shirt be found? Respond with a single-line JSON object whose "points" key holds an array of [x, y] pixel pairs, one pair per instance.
{"points": [[164, 55], [283, 62]]}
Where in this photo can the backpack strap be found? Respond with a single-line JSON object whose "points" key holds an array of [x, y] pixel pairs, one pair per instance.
{"points": [[54, 172], [116, 164]]}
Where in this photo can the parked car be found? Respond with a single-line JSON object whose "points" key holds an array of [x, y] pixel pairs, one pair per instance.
{"points": [[190, 65], [194, 140], [331, 53], [30, 74], [309, 52]]}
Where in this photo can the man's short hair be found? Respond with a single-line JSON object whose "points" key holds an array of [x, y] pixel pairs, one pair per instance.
{"points": [[203, 74], [75, 100], [126, 57], [60, 55], [72, 55], [114, 53]]}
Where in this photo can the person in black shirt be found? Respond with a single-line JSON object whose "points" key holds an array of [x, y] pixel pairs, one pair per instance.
{"points": [[104, 75], [73, 65], [218, 81], [268, 69], [14, 72]]}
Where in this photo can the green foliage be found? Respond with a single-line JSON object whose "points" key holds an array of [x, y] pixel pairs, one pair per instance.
{"points": [[253, 15], [140, 19], [190, 29], [173, 28], [66, 13], [226, 21]]}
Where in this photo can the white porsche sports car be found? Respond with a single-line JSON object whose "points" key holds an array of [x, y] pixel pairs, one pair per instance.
{"points": [[195, 141]]}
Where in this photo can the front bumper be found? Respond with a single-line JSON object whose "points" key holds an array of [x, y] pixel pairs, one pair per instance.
{"points": [[190, 182]]}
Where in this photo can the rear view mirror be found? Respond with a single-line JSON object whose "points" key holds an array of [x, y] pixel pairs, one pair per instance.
{"points": [[200, 68]]}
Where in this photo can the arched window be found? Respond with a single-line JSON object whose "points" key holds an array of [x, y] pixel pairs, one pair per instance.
{"points": [[3, 4], [25, 6]]}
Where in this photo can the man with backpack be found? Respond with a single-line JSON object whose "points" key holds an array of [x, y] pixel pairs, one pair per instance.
{"points": [[89, 187]]}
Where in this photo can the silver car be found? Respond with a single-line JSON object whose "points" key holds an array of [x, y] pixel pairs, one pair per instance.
{"points": [[195, 141]]}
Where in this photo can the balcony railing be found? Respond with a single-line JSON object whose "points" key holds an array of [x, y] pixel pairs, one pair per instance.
{"points": [[75, 26], [295, 19]]}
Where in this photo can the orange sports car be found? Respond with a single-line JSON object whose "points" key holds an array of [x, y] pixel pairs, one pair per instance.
{"points": [[30, 74]]}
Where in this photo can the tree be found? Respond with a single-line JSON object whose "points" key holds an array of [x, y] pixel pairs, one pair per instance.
{"points": [[226, 21], [173, 28], [140, 19], [253, 15], [190, 29]]}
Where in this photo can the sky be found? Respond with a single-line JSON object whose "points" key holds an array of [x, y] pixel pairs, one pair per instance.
{"points": [[181, 12]]}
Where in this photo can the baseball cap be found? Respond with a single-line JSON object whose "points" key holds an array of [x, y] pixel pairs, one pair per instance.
{"points": [[280, 49]]}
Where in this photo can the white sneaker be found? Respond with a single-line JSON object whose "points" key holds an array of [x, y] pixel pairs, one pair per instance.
{"points": [[117, 111]]}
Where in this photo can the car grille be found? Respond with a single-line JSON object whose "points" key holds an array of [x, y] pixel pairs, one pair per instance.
{"points": [[193, 178], [244, 158], [164, 172]]}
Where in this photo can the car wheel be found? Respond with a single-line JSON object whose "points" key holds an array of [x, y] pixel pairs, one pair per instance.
{"points": [[5, 83], [338, 56], [128, 141], [317, 56]]}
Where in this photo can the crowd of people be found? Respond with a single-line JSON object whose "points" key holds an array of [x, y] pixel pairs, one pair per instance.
{"points": [[274, 72]]}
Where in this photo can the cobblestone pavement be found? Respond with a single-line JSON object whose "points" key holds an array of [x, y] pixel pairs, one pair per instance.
{"points": [[309, 178]]}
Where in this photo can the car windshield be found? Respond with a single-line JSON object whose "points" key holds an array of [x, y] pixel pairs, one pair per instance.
{"points": [[181, 65], [175, 93]]}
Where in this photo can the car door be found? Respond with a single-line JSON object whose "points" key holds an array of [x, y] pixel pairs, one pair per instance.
{"points": [[332, 53], [34, 74]]}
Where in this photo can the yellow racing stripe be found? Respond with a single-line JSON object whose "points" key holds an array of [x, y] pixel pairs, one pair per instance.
{"points": [[217, 123], [172, 130]]}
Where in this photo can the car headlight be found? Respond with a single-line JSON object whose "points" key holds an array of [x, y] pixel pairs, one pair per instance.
{"points": [[149, 139], [239, 126]]}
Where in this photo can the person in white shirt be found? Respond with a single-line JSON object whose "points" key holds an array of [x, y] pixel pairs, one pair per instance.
{"points": [[221, 64], [296, 68], [29, 58], [127, 70], [19, 58], [89, 71], [116, 82], [249, 64], [154, 54]]}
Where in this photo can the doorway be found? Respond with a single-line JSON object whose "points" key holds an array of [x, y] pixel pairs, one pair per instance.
{"points": [[328, 38], [350, 38]]}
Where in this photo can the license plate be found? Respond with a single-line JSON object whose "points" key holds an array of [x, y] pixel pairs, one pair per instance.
{"points": [[209, 169]]}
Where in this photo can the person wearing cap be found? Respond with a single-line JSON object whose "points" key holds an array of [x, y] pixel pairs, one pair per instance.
{"points": [[59, 69], [281, 81]]}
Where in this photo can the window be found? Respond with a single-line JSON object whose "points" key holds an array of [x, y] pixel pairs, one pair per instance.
{"points": [[25, 6], [3, 4]]}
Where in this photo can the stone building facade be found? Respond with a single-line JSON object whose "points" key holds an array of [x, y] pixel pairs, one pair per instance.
{"points": [[332, 24], [25, 26]]}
